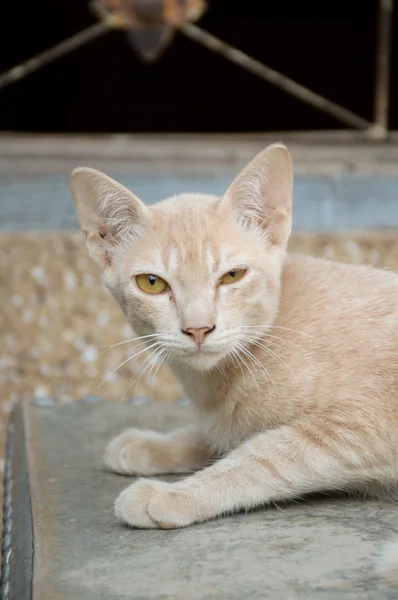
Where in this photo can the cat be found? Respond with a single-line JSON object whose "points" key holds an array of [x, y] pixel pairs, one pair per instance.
{"points": [[291, 362]]}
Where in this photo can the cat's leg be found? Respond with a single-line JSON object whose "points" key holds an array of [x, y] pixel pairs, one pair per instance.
{"points": [[145, 452], [279, 464]]}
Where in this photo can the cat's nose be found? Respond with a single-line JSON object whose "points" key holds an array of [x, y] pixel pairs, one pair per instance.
{"points": [[198, 333]]}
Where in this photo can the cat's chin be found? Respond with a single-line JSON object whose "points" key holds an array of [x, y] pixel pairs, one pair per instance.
{"points": [[201, 361]]}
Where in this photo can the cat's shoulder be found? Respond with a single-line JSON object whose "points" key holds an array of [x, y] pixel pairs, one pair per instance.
{"points": [[310, 272]]}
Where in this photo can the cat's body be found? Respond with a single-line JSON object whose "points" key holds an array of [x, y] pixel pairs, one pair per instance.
{"points": [[345, 371], [291, 362]]}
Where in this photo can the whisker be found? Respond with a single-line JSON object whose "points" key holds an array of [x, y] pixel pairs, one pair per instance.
{"points": [[141, 371], [163, 358], [161, 354], [261, 366], [271, 337], [272, 353], [234, 354], [138, 374], [286, 329], [127, 360], [154, 359], [132, 347], [243, 349], [236, 357], [131, 340]]}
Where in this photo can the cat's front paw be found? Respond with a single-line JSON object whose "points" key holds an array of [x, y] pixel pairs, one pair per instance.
{"points": [[135, 452], [156, 504]]}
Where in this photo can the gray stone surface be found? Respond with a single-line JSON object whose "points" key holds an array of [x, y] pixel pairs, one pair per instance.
{"points": [[318, 549], [17, 540]]}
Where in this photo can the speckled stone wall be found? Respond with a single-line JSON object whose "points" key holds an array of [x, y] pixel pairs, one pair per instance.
{"points": [[57, 321]]}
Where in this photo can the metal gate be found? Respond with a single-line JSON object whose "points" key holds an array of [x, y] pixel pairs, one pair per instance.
{"points": [[158, 19]]}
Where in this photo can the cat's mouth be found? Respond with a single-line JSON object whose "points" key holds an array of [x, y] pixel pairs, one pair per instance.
{"points": [[202, 357], [203, 351], [206, 355]]}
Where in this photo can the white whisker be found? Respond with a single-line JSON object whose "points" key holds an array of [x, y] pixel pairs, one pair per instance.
{"points": [[286, 329], [163, 355], [243, 350], [138, 374], [235, 356], [269, 336], [272, 353], [127, 360], [261, 366], [131, 340]]}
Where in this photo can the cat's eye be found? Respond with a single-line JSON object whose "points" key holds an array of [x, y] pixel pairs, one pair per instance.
{"points": [[151, 284], [232, 276]]}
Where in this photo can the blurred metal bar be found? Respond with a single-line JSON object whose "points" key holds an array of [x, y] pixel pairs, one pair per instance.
{"points": [[44, 58], [382, 75], [285, 83]]}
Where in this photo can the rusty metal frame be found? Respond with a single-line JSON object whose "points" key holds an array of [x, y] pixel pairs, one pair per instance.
{"points": [[378, 129], [383, 70]]}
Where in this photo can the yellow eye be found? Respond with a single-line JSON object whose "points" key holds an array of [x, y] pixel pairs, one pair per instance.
{"points": [[232, 276], [151, 284]]}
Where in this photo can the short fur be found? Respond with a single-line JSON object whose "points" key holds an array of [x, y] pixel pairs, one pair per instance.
{"points": [[296, 388]]}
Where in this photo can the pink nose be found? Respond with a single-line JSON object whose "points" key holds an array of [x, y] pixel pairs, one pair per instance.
{"points": [[198, 333]]}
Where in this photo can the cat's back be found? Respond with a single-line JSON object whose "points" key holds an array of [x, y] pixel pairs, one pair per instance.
{"points": [[337, 332], [349, 310], [322, 288]]}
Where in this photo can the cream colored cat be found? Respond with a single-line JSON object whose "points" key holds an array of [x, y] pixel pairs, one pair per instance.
{"points": [[291, 362]]}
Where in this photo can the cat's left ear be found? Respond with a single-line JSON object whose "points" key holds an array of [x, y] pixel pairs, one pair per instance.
{"points": [[109, 214], [261, 195]]}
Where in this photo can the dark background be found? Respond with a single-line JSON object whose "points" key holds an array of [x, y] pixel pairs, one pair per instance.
{"points": [[103, 87]]}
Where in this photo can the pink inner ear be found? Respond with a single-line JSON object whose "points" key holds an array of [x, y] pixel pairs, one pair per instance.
{"points": [[280, 227]]}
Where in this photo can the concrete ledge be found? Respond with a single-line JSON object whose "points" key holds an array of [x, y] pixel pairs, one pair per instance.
{"points": [[322, 548], [322, 152], [342, 181]]}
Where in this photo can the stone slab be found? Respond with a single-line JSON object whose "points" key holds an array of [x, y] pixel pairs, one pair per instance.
{"points": [[320, 549]]}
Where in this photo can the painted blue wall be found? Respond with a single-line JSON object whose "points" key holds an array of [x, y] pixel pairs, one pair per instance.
{"points": [[321, 202]]}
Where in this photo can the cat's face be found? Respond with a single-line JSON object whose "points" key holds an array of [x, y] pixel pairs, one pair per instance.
{"points": [[193, 269], [199, 275]]}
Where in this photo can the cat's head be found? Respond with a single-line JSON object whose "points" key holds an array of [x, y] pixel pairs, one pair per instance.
{"points": [[199, 275]]}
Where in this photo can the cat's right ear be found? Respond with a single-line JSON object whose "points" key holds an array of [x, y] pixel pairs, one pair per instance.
{"points": [[109, 214], [261, 195]]}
